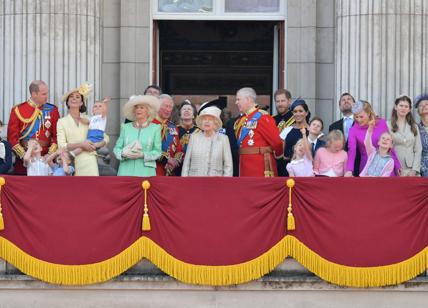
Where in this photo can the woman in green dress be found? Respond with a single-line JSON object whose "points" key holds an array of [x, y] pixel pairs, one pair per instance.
{"points": [[139, 143]]}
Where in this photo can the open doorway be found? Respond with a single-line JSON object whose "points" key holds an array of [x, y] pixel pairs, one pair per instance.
{"points": [[201, 60]]}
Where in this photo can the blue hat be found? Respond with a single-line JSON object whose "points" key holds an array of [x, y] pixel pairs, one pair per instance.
{"points": [[297, 102], [420, 98]]}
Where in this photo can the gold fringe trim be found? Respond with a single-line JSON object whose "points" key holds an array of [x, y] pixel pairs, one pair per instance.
{"points": [[214, 275], [359, 277]]}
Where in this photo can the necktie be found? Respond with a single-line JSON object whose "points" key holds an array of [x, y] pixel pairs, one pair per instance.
{"points": [[347, 126]]}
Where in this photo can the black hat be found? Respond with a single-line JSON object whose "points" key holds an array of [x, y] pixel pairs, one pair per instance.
{"points": [[220, 103]]}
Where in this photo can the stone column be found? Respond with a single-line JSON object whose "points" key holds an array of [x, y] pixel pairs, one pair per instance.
{"points": [[381, 50], [56, 41]]}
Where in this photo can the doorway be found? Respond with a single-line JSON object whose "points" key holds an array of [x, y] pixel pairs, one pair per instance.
{"points": [[201, 59]]}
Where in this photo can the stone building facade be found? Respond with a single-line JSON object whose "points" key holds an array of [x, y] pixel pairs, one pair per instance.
{"points": [[375, 50]]}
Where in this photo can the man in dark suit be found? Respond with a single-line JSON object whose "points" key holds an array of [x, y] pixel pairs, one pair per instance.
{"points": [[283, 119], [346, 102]]}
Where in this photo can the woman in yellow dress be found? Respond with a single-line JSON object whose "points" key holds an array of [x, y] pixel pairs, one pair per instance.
{"points": [[72, 132]]}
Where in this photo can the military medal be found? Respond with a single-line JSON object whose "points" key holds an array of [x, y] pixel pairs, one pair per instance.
{"points": [[48, 124], [47, 134], [251, 135]]}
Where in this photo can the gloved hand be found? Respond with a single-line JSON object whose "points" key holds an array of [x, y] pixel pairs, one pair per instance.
{"points": [[132, 154]]}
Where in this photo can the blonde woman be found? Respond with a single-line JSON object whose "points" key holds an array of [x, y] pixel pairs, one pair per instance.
{"points": [[139, 143]]}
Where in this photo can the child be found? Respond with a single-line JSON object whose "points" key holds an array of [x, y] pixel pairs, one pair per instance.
{"points": [[97, 125], [316, 126], [63, 163], [331, 160], [35, 163], [379, 162], [5, 154], [301, 162]]}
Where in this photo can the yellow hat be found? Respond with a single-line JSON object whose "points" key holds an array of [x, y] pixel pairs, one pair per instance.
{"points": [[84, 90]]}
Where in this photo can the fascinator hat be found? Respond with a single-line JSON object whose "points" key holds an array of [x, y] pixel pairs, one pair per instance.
{"points": [[358, 106], [297, 102], [84, 89]]}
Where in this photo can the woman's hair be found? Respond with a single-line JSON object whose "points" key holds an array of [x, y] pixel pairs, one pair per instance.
{"points": [[82, 108], [367, 107], [294, 148], [409, 117], [334, 135]]}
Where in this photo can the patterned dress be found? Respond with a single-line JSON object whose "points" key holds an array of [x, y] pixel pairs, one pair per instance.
{"points": [[424, 140]]}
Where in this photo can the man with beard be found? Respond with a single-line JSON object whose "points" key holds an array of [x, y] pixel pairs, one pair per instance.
{"points": [[346, 102], [283, 119]]}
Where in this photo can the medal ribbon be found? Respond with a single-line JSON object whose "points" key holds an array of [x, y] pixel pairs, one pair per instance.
{"points": [[245, 130]]}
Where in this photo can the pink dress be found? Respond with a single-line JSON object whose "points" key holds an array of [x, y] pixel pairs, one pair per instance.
{"points": [[330, 164], [301, 167]]}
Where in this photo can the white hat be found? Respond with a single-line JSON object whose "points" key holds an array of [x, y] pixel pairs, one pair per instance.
{"points": [[212, 111], [151, 101]]}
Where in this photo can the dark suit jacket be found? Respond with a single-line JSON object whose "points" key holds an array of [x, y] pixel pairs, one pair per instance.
{"points": [[230, 132], [339, 125]]}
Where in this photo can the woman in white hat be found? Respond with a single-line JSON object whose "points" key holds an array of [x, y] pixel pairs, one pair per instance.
{"points": [[72, 131], [208, 152], [139, 143]]}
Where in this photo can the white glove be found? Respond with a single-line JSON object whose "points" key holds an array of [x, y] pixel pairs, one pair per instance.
{"points": [[132, 154]]}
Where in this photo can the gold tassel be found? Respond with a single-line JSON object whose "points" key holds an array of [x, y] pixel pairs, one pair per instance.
{"points": [[2, 182], [146, 219], [291, 224]]}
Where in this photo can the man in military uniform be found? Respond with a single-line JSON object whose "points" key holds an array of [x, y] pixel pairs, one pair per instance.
{"points": [[172, 153], [283, 119], [33, 119], [258, 139]]}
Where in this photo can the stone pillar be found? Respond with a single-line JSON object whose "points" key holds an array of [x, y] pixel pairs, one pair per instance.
{"points": [[381, 50], [56, 41]]}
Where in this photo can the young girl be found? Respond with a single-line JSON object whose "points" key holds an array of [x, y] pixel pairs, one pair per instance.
{"points": [[35, 163], [301, 162], [331, 160], [379, 162]]}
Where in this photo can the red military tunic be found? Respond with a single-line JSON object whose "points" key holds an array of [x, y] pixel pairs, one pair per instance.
{"points": [[31, 121], [171, 146], [260, 146]]}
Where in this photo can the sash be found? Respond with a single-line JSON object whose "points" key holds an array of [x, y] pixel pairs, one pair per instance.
{"points": [[32, 128], [169, 138], [250, 122]]}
